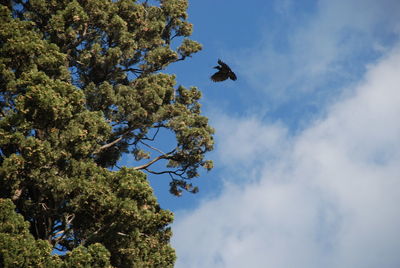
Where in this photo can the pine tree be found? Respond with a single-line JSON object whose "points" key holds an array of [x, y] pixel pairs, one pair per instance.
{"points": [[82, 85]]}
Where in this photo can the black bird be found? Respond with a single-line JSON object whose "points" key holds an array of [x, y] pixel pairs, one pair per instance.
{"points": [[224, 72]]}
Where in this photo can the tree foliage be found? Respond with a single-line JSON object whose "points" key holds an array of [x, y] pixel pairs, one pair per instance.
{"points": [[82, 85], [18, 248]]}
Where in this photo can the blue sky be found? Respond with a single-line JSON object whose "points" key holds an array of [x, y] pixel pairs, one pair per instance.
{"points": [[307, 155]]}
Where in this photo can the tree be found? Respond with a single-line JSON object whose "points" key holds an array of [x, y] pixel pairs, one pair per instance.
{"points": [[81, 86], [18, 248]]}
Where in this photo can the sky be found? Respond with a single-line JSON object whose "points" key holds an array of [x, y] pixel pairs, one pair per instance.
{"points": [[307, 153]]}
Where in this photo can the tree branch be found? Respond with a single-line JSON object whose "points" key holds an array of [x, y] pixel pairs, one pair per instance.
{"points": [[150, 162], [170, 172], [163, 156], [133, 70], [108, 145], [17, 195], [154, 136], [153, 148]]}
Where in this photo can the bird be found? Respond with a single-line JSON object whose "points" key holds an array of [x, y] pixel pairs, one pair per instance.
{"points": [[224, 72]]}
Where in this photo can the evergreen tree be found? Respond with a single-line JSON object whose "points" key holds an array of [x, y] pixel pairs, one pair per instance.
{"points": [[81, 86]]}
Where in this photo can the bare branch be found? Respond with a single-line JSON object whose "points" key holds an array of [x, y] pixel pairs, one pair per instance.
{"points": [[44, 206], [133, 70], [155, 134], [69, 218], [153, 148], [16, 195], [178, 173], [108, 145], [150, 162], [58, 233], [62, 234], [163, 156], [122, 234]]}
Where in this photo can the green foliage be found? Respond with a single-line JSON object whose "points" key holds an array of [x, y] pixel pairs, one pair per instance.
{"points": [[18, 248], [81, 85]]}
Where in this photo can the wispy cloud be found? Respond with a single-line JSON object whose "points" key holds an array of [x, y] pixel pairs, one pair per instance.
{"points": [[320, 46], [329, 198]]}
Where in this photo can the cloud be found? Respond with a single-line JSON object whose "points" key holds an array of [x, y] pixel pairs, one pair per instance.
{"points": [[328, 199], [309, 44], [245, 139]]}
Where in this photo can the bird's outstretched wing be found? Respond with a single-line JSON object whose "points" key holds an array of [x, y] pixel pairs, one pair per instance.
{"points": [[232, 76], [219, 76], [223, 64]]}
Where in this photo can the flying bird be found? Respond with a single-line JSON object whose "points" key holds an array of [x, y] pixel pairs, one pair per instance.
{"points": [[224, 72]]}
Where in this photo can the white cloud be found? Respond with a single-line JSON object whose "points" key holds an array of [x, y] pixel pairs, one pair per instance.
{"points": [[329, 199], [306, 52], [245, 139]]}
